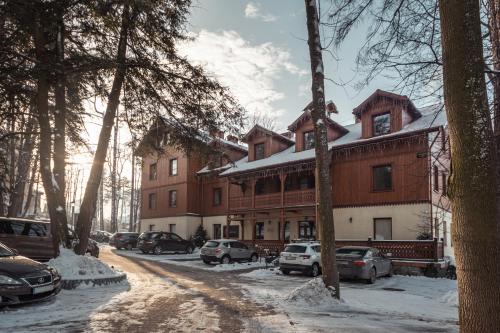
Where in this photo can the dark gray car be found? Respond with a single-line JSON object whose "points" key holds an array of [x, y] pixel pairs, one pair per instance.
{"points": [[226, 251], [360, 262]]}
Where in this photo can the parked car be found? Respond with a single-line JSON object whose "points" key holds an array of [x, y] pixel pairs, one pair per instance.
{"points": [[361, 262], [303, 257], [225, 251], [159, 242], [124, 240], [23, 280], [101, 236]]}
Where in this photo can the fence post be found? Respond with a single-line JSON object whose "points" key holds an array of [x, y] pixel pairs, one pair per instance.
{"points": [[436, 250], [369, 241]]}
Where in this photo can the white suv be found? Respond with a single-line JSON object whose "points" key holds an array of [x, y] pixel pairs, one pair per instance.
{"points": [[303, 257]]}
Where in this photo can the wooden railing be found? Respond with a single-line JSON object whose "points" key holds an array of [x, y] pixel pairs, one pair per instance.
{"points": [[302, 197], [399, 249], [237, 203], [268, 200]]}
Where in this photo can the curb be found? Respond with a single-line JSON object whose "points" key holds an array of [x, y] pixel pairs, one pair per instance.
{"points": [[73, 284]]}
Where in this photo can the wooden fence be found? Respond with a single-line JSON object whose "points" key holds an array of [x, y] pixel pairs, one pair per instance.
{"points": [[398, 249]]}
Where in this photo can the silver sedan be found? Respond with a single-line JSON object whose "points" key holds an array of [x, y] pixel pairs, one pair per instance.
{"points": [[360, 262]]}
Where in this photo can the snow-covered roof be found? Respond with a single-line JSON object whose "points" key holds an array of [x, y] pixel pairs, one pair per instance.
{"points": [[432, 117]]}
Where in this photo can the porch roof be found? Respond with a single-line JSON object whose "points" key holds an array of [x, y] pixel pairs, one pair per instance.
{"points": [[433, 117]]}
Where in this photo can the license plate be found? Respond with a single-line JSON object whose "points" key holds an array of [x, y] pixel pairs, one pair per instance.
{"points": [[44, 289], [290, 258]]}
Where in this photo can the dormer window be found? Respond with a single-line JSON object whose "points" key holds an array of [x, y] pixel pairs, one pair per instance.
{"points": [[308, 140], [259, 151], [382, 124]]}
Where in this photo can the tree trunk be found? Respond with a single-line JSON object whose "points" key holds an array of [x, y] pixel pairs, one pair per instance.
{"points": [[101, 204], [476, 232], [29, 197], [56, 212], [59, 169], [131, 225], [323, 157], [88, 205], [114, 185]]}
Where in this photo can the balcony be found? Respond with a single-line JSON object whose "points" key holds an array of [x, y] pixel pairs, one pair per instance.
{"points": [[273, 200]]}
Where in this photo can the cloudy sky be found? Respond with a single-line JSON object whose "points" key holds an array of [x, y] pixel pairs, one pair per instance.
{"points": [[259, 50]]}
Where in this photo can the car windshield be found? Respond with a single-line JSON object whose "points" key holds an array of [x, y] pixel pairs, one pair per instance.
{"points": [[150, 235], [211, 244], [295, 249], [4, 252], [351, 252]]}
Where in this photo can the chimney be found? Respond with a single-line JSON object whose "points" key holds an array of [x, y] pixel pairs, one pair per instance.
{"points": [[331, 107], [232, 138]]}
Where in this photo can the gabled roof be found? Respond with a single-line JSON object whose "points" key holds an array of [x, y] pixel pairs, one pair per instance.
{"points": [[381, 94], [306, 115], [433, 117], [258, 128], [229, 144]]}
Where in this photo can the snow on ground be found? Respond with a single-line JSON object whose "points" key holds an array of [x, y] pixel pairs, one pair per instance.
{"points": [[397, 304], [75, 267], [191, 260], [102, 309]]}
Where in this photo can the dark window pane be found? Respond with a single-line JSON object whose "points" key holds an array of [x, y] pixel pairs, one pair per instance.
{"points": [[217, 196], [233, 231], [308, 140], [259, 230], [152, 201], [259, 151], [295, 249], [173, 198], [383, 228], [153, 171], [382, 178], [382, 124]]}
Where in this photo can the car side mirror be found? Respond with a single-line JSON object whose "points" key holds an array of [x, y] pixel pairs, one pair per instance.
{"points": [[15, 251]]}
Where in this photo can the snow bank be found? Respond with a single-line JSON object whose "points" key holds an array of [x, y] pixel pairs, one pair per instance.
{"points": [[75, 267], [313, 292], [262, 273], [235, 266], [450, 298]]}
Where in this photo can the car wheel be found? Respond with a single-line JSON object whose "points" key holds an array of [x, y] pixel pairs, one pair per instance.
{"points": [[285, 271], [254, 257], [189, 250], [206, 261], [157, 250], [315, 270], [145, 252], [391, 271], [129, 247], [118, 248], [225, 259], [373, 276]]}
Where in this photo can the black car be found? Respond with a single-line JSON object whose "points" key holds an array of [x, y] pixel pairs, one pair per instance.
{"points": [[159, 241], [124, 240], [23, 280]]}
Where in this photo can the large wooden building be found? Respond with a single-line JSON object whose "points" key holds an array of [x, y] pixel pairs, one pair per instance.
{"points": [[389, 174]]}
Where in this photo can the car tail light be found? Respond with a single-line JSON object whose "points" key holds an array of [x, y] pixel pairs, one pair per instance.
{"points": [[218, 251], [359, 263], [305, 256]]}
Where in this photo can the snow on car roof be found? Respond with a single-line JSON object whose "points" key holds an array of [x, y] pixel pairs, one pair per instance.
{"points": [[432, 118]]}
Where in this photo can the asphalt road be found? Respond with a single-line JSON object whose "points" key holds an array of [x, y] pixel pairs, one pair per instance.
{"points": [[165, 313]]}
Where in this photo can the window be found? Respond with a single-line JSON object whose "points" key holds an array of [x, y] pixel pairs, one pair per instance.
{"points": [[152, 201], [382, 178], [173, 167], [151, 227], [287, 231], [382, 124], [259, 151], [171, 227], [172, 198], [217, 196], [444, 181], [382, 228], [259, 230], [308, 140], [216, 231], [307, 230], [232, 232], [174, 237], [153, 171], [436, 178], [436, 227], [445, 233]]}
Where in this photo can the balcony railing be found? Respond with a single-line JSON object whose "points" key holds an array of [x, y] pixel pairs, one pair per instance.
{"points": [[292, 198], [304, 197], [238, 203]]}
